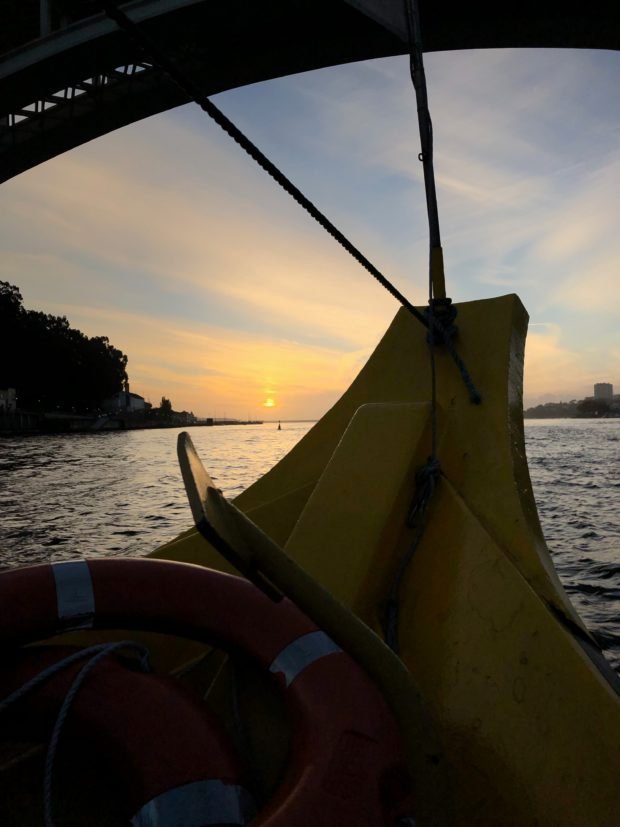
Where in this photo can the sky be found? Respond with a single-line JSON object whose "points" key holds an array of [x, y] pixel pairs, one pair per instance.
{"points": [[225, 295]]}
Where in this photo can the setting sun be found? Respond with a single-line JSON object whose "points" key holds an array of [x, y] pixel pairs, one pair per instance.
{"points": [[269, 403]]}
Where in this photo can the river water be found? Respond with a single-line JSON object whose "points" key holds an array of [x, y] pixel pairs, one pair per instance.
{"points": [[121, 493]]}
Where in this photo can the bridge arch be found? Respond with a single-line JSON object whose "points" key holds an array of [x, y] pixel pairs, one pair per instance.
{"points": [[68, 75]]}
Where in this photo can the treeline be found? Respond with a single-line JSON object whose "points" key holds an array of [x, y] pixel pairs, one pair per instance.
{"points": [[552, 410], [52, 365], [588, 407]]}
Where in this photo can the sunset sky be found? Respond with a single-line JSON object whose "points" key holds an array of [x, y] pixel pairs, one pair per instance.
{"points": [[224, 294]]}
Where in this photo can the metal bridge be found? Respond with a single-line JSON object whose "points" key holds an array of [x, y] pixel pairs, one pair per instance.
{"points": [[68, 75]]}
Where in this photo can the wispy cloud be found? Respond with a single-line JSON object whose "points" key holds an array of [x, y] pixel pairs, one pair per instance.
{"points": [[262, 262], [165, 237], [207, 368]]}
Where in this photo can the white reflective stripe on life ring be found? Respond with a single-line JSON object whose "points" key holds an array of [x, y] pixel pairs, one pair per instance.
{"points": [[75, 599], [197, 805], [299, 654]]}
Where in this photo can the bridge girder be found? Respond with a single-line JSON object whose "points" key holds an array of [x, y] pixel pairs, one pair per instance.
{"points": [[86, 78]]}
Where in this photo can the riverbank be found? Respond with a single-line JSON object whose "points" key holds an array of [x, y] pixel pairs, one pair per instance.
{"points": [[588, 408], [20, 423], [545, 415]]}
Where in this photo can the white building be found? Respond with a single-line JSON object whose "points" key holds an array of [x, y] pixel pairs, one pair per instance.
{"points": [[124, 402], [604, 390]]}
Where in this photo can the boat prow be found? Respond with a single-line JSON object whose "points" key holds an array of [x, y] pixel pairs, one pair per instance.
{"points": [[527, 708]]}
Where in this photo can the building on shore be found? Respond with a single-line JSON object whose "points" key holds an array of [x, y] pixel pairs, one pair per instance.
{"points": [[183, 417], [125, 402]]}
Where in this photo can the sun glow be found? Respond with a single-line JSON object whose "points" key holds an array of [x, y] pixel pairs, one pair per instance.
{"points": [[269, 403]]}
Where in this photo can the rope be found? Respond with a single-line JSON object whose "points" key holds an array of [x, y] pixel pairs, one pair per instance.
{"points": [[193, 91], [425, 124], [94, 654], [438, 333], [427, 477]]}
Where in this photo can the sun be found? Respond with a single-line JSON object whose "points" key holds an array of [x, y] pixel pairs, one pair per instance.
{"points": [[269, 403]]}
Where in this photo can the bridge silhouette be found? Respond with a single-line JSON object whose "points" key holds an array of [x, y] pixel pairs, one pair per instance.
{"points": [[68, 75]]}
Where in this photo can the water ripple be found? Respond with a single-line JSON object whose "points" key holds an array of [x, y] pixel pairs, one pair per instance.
{"points": [[64, 497]]}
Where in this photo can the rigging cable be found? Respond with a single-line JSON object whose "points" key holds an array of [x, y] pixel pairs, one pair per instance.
{"points": [[436, 277], [428, 475], [193, 91], [436, 287]]}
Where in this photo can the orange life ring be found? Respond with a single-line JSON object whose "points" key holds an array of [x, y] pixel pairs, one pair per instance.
{"points": [[347, 762]]}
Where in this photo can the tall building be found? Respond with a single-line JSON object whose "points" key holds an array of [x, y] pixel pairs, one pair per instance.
{"points": [[604, 390]]}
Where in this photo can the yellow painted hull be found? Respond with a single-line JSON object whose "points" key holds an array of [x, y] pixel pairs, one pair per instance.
{"points": [[525, 708]]}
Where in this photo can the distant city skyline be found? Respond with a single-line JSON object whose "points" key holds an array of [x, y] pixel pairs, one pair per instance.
{"points": [[591, 393], [227, 298]]}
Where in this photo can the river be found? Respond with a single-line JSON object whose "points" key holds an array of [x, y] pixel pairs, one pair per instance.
{"points": [[73, 496]]}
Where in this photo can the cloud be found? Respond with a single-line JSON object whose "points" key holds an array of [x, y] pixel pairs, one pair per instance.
{"points": [[167, 238], [266, 261], [526, 155], [553, 370], [207, 368]]}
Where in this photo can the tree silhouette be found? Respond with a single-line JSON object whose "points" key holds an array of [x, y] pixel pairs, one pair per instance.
{"points": [[51, 364], [593, 407]]}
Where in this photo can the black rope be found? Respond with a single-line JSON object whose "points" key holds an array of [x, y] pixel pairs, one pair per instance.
{"points": [[418, 77], [425, 125], [427, 477], [441, 334], [193, 91]]}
